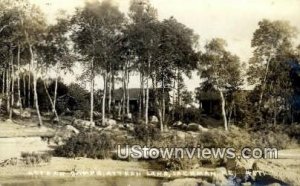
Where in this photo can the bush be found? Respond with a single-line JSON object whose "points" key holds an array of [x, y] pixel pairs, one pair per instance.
{"points": [[87, 144], [272, 139], [145, 133], [35, 158], [187, 115], [235, 137]]}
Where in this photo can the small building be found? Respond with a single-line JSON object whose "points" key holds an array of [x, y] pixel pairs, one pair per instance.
{"points": [[210, 102], [136, 96], [66, 103]]}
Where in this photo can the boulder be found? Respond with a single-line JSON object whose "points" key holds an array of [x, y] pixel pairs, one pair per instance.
{"points": [[83, 123], [71, 129], [130, 127], [97, 114], [184, 126], [193, 127], [110, 122], [154, 119], [107, 122], [177, 124], [183, 181], [24, 113], [180, 135], [196, 127], [128, 116]]}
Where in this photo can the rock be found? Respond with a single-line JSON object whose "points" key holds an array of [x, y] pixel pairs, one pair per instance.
{"points": [[128, 116], [183, 181], [24, 113], [203, 129], [110, 122], [107, 122], [221, 170], [193, 127], [205, 183], [274, 184], [8, 121], [180, 135], [71, 129], [247, 184], [97, 114], [177, 124], [154, 119], [184, 126], [196, 127], [58, 140], [130, 127], [193, 134], [83, 123]]}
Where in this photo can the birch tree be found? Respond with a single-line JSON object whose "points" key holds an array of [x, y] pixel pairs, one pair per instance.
{"points": [[97, 27], [221, 70], [269, 41]]}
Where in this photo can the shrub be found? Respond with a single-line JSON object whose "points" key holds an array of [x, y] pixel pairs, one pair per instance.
{"points": [[87, 144], [187, 115], [235, 137], [272, 139], [35, 158], [145, 133]]}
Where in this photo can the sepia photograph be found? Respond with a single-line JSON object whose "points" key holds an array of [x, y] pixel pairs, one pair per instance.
{"points": [[149, 92]]}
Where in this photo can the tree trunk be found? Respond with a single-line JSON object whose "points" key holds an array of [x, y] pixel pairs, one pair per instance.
{"points": [[147, 93], [163, 101], [223, 110], [104, 97], [36, 101], [128, 96], [92, 91], [178, 89], [113, 100], [24, 89], [230, 112], [29, 87], [124, 92], [156, 102], [12, 86], [19, 86], [51, 102], [141, 95], [174, 100], [8, 89], [55, 89], [263, 89], [3, 82], [109, 92]]}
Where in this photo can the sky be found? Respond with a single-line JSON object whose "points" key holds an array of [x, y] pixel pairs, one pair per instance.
{"points": [[233, 20]]}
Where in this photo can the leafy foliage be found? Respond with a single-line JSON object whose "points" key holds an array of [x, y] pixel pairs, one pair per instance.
{"points": [[87, 144]]}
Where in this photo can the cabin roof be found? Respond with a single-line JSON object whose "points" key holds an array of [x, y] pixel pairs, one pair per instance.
{"points": [[134, 93]]}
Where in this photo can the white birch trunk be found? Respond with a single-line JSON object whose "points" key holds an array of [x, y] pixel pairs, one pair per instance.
{"points": [[104, 97], [36, 101], [92, 92], [51, 101], [19, 87], [7, 90], [223, 110], [12, 85]]}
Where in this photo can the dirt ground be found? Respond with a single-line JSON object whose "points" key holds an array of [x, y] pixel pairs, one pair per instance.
{"points": [[23, 128]]}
